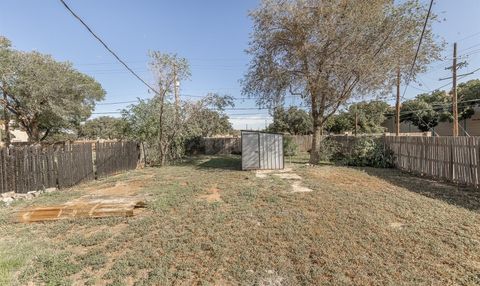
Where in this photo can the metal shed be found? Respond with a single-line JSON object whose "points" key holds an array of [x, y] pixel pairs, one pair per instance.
{"points": [[262, 150]]}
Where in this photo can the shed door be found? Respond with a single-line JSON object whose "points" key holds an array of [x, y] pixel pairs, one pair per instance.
{"points": [[250, 149]]}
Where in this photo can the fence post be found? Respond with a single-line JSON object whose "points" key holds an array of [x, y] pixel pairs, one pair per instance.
{"points": [[477, 150], [452, 173]]}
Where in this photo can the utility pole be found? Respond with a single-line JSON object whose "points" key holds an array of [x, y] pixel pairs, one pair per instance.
{"points": [[455, 66], [454, 91], [397, 105], [175, 90]]}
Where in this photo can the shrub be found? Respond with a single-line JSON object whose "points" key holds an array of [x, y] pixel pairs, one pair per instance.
{"points": [[369, 152], [329, 150], [290, 148]]}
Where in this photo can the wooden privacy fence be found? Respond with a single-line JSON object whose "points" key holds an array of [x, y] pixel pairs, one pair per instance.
{"points": [[454, 159], [113, 157], [222, 145], [304, 142], [31, 168]]}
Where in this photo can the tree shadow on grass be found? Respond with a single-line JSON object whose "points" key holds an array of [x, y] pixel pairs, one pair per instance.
{"points": [[222, 162], [467, 198]]}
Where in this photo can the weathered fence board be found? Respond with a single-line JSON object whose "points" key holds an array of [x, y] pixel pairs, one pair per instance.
{"points": [[30, 168], [454, 159], [114, 157], [221, 145]]}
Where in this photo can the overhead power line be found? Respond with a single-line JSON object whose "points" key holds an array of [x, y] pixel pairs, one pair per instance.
{"points": [[108, 48], [117, 102], [418, 47], [468, 36]]}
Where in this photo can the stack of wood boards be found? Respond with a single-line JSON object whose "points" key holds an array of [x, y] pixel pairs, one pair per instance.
{"points": [[93, 207]]}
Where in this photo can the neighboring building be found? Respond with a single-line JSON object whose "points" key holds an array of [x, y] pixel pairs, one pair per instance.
{"points": [[16, 135], [470, 126]]}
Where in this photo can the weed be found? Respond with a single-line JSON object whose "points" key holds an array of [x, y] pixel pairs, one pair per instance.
{"points": [[55, 269], [94, 258], [89, 240]]}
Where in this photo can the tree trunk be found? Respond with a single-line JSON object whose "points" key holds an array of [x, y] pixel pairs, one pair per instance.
{"points": [[34, 133], [144, 154], [317, 129], [163, 152], [316, 140]]}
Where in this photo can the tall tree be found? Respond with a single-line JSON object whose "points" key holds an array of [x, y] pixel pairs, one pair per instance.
{"points": [[292, 120], [208, 117], [168, 70], [103, 127], [468, 98], [370, 115], [339, 123], [426, 110], [44, 95], [199, 118], [325, 52]]}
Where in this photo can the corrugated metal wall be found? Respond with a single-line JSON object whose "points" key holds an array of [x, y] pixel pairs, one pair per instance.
{"points": [[262, 151]]}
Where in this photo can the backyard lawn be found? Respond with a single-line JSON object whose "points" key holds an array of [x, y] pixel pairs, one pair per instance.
{"points": [[208, 223]]}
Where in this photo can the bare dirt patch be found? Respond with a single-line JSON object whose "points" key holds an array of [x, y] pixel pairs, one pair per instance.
{"points": [[298, 188], [121, 188], [213, 196], [396, 225], [288, 176]]}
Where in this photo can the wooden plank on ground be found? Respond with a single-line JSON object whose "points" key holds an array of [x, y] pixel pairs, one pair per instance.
{"points": [[92, 208]]}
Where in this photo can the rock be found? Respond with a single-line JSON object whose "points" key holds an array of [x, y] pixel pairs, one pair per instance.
{"points": [[50, 190], [8, 195], [26, 196], [34, 193], [7, 201]]}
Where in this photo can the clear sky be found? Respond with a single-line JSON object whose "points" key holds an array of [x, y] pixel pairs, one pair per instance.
{"points": [[211, 34]]}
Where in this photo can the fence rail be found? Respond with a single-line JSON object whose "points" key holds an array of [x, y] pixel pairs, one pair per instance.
{"points": [[30, 168]]}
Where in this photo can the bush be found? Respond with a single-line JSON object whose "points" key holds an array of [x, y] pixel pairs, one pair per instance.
{"points": [[329, 150], [290, 148], [369, 152]]}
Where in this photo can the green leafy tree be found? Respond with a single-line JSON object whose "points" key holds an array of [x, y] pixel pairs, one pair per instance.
{"points": [[370, 115], [292, 120], [339, 123], [196, 119], [168, 70], [208, 117], [420, 114], [326, 52], [469, 97], [426, 110], [43, 95], [104, 127]]}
